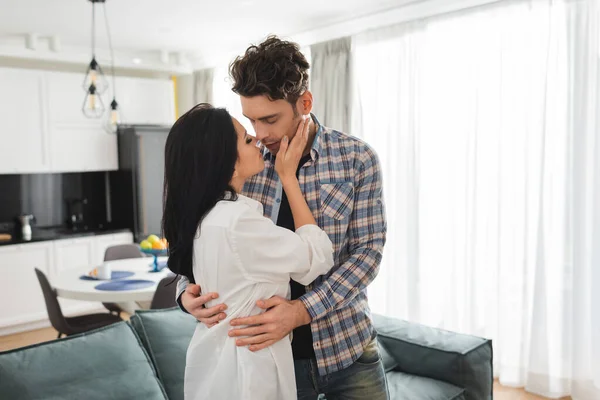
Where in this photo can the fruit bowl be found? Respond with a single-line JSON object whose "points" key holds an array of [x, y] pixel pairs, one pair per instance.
{"points": [[154, 246], [156, 253]]}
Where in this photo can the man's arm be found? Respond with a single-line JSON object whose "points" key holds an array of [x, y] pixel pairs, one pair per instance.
{"points": [[367, 233], [367, 230]]}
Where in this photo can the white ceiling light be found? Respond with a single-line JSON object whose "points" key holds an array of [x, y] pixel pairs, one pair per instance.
{"points": [[164, 56], [180, 58], [55, 44], [31, 41]]}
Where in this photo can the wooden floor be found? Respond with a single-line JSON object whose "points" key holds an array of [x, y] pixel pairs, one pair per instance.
{"points": [[42, 335], [507, 393]]}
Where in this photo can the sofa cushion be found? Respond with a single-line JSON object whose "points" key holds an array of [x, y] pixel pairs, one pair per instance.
{"points": [[462, 360], [166, 335], [389, 363], [410, 387], [107, 363]]}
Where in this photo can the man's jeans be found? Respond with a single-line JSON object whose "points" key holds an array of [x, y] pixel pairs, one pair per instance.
{"points": [[365, 379]]}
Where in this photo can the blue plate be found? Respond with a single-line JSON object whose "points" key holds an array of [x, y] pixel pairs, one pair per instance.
{"points": [[126, 284], [113, 275]]}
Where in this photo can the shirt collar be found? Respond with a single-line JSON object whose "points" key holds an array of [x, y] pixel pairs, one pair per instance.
{"points": [[251, 202], [317, 145], [228, 196]]}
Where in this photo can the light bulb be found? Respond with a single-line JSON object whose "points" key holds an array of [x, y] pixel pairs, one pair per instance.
{"points": [[95, 76], [93, 107], [113, 120]]}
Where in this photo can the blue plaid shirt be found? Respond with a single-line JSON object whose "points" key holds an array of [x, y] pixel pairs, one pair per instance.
{"points": [[342, 186]]}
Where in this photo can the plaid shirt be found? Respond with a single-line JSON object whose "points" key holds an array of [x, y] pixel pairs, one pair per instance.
{"points": [[342, 186]]}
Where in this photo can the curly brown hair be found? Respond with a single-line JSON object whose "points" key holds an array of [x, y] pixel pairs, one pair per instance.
{"points": [[275, 68]]}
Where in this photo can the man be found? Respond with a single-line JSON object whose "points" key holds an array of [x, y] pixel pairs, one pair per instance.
{"points": [[334, 345]]}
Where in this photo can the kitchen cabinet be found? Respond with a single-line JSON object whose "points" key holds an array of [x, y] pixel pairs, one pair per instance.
{"points": [[24, 142], [21, 298], [146, 101], [22, 304], [77, 143], [42, 127]]}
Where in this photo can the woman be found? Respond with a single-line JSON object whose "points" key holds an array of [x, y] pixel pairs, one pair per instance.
{"points": [[220, 239]]}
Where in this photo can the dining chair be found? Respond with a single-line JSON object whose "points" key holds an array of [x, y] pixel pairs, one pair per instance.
{"points": [[120, 252], [164, 297], [70, 325]]}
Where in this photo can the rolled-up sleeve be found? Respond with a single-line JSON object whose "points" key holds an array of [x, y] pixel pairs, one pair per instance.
{"points": [[181, 286]]}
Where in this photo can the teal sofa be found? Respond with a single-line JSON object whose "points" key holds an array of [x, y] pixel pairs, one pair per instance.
{"points": [[145, 359]]}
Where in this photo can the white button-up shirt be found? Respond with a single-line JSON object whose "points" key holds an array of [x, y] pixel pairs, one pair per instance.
{"points": [[245, 257]]}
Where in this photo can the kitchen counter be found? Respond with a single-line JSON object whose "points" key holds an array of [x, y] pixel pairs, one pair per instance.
{"points": [[42, 234]]}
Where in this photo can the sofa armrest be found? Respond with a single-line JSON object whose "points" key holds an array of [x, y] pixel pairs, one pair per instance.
{"points": [[462, 360]]}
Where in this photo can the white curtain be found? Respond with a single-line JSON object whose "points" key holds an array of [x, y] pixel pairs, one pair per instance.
{"points": [[203, 86], [485, 123], [330, 82]]}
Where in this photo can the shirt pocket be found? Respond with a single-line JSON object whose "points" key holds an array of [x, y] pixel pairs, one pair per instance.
{"points": [[337, 200]]}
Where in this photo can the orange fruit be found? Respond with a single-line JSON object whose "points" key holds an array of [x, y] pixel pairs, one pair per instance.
{"points": [[158, 245]]}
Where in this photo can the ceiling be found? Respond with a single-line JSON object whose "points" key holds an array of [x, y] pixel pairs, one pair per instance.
{"points": [[194, 27]]}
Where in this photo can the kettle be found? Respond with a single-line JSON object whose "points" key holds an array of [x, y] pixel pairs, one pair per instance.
{"points": [[25, 221]]}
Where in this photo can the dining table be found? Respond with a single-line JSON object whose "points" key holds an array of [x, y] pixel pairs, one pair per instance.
{"points": [[76, 284]]}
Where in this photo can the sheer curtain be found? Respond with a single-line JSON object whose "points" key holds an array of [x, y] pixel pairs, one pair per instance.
{"points": [[203, 85], [485, 123], [330, 82]]}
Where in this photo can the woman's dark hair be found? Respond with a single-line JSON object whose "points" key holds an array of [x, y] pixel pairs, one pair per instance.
{"points": [[200, 157], [275, 68]]}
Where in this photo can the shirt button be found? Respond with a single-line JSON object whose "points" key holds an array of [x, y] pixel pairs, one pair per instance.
{"points": [[278, 201], [317, 344]]}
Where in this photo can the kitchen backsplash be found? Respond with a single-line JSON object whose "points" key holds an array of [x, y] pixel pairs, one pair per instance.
{"points": [[46, 195]]}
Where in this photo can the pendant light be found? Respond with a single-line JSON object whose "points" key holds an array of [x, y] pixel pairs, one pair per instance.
{"points": [[113, 120], [93, 106], [95, 82]]}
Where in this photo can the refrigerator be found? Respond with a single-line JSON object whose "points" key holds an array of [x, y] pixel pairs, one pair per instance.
{"points": [[136, 188]]}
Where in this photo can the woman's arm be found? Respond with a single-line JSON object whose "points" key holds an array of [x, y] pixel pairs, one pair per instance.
{"points": [[286, 165], [269, 253]]}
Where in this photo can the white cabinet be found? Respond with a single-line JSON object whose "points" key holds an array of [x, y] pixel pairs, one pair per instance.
{"points": [[23, 129], [75, 149], [21, 298], [145, 101], [65, 101], [77, 143], [42, 127]]}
